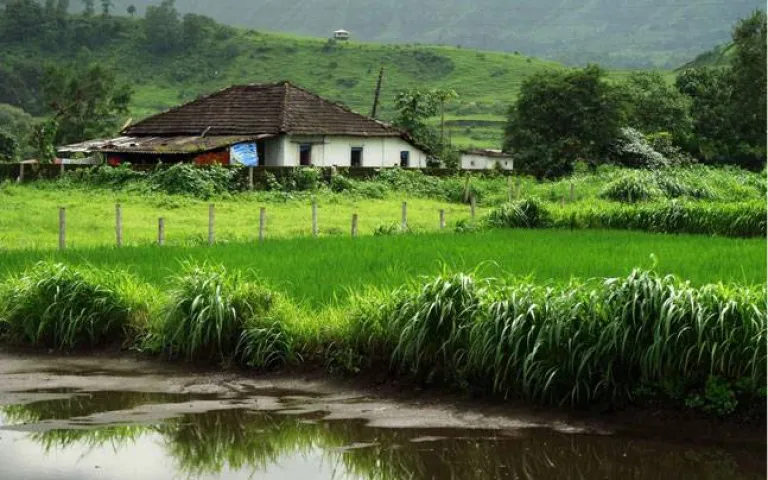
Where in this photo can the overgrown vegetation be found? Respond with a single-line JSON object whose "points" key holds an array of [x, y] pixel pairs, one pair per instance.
{"points": [[644, 336], [60, 307], [711, 115]]}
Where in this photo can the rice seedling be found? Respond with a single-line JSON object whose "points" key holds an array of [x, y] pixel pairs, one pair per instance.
{"points": [[62, 307]]}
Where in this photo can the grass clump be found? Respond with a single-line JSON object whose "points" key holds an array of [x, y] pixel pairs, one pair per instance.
{"points": [[212, 313], [631, 187], [528, 213], [56, 306]]}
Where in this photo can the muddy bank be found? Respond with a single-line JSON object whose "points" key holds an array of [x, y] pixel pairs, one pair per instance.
{"points": [[388, 405]]}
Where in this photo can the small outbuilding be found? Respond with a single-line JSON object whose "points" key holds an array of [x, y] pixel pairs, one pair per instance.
{"points": [[341, 35], [486, 160], [275, 124]]}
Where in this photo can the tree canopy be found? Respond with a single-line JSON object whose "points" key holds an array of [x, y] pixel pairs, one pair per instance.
{"points": [[562, 117]]}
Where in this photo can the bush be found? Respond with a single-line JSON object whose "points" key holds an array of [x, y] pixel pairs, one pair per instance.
{"points": [[186, 179], [216, 314], [631, 187], [56, 306], [387, 229], [528, 213], [107, 176]]}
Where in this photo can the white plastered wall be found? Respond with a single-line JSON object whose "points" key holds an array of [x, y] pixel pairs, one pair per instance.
{"points": [[337, 151]]}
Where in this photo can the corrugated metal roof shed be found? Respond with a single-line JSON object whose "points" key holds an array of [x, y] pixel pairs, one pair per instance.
{"points": [[161, 145]]}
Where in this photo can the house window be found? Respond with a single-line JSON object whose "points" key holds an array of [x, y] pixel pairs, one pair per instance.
{"points": [[356, 157], [405, 159], [305, 155]]}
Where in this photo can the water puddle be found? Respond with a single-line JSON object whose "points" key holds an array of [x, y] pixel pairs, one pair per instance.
{"points": [[243, 433]]}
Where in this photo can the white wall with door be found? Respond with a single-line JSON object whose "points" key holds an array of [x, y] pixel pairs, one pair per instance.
{"points": [[346, 152]]}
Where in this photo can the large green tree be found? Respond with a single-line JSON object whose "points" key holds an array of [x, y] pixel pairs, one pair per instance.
{"points": [[728, 104], [561, 117], [653, 105], [86, 103], [748, 78], [163, 28]]}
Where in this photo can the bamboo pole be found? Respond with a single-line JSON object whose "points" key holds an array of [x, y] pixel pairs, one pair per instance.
{"points": [[315, 231], [160, 231], [62, 228], [262, 223], [119, 225], [211, 224]]}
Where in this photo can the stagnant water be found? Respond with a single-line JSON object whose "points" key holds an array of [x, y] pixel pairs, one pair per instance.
{"points": [[244, 431]]}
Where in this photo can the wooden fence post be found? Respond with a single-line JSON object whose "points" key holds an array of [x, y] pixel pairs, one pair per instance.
{"points": [[119, 225], [160, 231], [315, 231], [20, 178], [61, 172], [262, 223], [473, 206], [354, 225], [510, 191], [442, 219], [62, 228], [250, 178], [211, 224], [404, 222], [573, 192]]}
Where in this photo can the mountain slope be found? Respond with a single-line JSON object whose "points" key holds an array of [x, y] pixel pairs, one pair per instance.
{"points": [[639, 33]]}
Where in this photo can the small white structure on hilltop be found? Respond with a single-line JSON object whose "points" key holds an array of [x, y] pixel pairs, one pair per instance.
{"points": [[341, 35], [486, 160]]}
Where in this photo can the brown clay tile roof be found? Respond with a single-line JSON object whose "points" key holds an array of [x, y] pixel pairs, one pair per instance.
{"points": [[261, 109]]}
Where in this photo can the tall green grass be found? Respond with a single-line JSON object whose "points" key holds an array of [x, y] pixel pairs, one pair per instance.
{"points": [[212, 313], [744, 219], [576, 343], [58, 306]]}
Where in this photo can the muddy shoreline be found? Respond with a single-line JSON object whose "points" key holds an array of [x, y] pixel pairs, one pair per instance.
{"points": [[390, 403]]}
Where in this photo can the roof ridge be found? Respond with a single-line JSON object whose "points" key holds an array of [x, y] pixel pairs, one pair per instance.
{"points": [[282, 120], [340, 106]]}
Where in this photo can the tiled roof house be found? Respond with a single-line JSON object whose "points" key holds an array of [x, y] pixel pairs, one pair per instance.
{"points": [[286, 124]]}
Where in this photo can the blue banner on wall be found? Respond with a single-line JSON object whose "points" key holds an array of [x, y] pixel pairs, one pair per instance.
{"points": [[245, 153]]}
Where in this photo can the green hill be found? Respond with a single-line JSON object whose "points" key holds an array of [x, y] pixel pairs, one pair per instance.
{"points": [[218, 56], [719, 56], [637, 34]]}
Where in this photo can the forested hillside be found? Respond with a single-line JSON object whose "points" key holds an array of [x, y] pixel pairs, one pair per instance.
{"points": [[618, 33], [168, 58]]}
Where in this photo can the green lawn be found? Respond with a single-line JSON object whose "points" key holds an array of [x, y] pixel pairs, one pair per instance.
{"points": [[317, 271]]}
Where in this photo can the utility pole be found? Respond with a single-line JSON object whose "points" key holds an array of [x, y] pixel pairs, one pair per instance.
{"points": [[378, 93]]}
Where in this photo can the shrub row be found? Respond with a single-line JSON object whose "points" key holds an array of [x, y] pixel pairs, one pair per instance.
{"points": [[744, 219], [578, 344]]}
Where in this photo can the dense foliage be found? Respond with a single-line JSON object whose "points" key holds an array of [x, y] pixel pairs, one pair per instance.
{"points": [[714, 115]]}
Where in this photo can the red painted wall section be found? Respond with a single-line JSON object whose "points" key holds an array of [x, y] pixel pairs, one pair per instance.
{"points": [[213, 158]]}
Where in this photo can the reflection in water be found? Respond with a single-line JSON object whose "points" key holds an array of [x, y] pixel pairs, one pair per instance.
{"points": [[220, 442]]}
